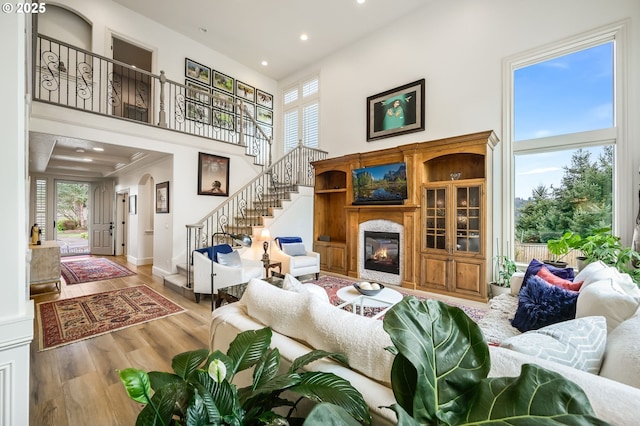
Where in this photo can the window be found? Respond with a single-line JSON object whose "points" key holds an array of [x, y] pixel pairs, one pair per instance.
{"points": [[301, 114], [562, 141], [40, 207]]}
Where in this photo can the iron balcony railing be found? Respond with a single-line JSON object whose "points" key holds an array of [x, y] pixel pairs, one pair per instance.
{"points": [[71, 77], [257, 199]]}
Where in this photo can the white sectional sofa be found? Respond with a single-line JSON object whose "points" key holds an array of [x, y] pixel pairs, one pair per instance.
{"points": [[303, 321]]}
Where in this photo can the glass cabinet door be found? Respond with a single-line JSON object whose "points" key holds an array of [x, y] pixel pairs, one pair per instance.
{"points": [[467, 219], [435, 218]]}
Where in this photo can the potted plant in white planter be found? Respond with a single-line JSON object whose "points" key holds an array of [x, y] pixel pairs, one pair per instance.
{"points": [[504, 268]]}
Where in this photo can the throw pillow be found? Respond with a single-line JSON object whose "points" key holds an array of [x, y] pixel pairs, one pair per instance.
{"points": [[541, 304], [546, 275], [608, 299], [622, 360], [290, 283], [230, 259], [207, 251], [287, 240], [535, 265], [221, 248], [578, 343], [588, 270], [294, 249]]}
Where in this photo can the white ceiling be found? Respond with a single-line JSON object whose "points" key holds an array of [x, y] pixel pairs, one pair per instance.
{"points": [[250, 31], [247, 31]]}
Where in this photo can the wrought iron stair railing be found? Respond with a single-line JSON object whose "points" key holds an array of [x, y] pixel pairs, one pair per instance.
{"points": [[256, 200], [72, 77]]}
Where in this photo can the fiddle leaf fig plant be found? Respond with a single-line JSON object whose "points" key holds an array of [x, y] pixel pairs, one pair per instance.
{"points": [[439, 375], [201, 389]]}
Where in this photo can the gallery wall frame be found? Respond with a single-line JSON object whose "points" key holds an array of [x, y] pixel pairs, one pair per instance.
{"points": [[223, 82], [397, 111], [196, 71], [264, 99], [213, 175], [245, 91], [162, 197], [197, 96], [264, 115], [198, 112]]}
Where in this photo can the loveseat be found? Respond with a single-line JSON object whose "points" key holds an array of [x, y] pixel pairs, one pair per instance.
{"points": [[302, 321]]}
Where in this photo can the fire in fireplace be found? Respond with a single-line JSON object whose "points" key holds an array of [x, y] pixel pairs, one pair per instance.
{"points": [[381, 251]]}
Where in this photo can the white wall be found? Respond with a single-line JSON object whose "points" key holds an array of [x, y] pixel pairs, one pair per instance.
{"points": [[16, 310], [458, 46]]}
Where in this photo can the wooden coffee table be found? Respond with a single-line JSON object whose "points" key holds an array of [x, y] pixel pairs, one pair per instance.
{"points": [[385, 299]]}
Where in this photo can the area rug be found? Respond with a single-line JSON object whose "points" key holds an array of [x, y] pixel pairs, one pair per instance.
{"points": [[67, 321], [87, 269], [332, 284]]}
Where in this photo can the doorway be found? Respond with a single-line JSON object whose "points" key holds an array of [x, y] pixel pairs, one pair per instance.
{"points": [[71, 217]]}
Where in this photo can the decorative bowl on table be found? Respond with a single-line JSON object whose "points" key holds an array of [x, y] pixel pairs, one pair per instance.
{"points": [[368, 289]]}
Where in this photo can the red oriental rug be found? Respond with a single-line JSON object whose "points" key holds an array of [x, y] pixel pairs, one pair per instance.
{"points": [[87, 269], [332, 284], [61, 322]]}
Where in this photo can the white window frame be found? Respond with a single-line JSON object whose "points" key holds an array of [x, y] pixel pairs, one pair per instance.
{"points": [[299, 105], [623, 215]]}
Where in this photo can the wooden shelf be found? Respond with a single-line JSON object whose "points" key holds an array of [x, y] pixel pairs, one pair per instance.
{"points": [[329, 191]]}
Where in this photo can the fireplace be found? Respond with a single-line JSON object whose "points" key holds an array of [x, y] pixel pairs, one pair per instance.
{"points": [[382, 251]]}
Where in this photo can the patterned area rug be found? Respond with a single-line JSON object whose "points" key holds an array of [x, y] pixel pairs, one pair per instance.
{"points": [[332, 284], [87, 269], [70, 320]]}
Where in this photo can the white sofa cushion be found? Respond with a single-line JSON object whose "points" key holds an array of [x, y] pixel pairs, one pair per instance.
{"points": [[578, 343], [622, 357], [362, 340], [303, 261], [286, 312], [291, 283], [606, 298]]}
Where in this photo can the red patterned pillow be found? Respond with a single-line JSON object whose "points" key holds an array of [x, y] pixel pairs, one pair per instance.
{"points": [[552, 279]]}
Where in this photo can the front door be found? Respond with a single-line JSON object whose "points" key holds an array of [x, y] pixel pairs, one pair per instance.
{"points": [[101, 232]]}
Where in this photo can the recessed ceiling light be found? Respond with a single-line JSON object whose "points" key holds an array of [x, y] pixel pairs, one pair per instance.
{"points": [[304, 37], [98, 149], [264, 63], [361, 1]]}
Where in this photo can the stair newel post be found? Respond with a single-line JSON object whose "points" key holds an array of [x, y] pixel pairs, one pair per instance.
{"points": [[162, 114], [300, 176], [194, 235]]}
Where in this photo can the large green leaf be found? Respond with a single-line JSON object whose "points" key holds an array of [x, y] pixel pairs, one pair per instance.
{"points": [[160, 379], [267, 368], [197, 412], [136, 383], [247, 348], [537, 396], [326, 414], [315, 355], [187, 362], [161, 408], [327, 387], [223, 395], [446, 349]]}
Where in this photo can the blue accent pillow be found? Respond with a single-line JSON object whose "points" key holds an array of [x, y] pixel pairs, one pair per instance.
{"points": [[287, 240], [208, 251], [535, 265], [221, 248], [541, 304]]}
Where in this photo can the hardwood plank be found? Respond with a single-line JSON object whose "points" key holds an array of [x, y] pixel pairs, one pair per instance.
{"points": [[87, 400]]}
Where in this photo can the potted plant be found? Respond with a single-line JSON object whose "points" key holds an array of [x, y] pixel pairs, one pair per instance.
{"points": [[559, 248], [602, 245], [504, 268], [439, 375], [201, 390]]}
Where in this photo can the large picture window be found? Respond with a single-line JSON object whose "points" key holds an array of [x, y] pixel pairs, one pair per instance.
{"points": [[562, 142], [301, 114]]}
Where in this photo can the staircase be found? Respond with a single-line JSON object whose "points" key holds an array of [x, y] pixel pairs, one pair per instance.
{"points": [[263, 197]]}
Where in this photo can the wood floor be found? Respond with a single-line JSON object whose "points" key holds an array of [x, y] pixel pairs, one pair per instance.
{"points": [[78, 384]]}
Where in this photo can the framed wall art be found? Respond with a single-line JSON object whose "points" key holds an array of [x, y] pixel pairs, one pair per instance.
{"points": [[197, 71], [245, 92], [264, 116], [197, 96], [224, 101], [213, 175], [198, 112], [223, 82], [396, 111], [162, 197], [264, 99]]}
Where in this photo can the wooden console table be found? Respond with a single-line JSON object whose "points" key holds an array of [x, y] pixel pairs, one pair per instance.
{"points": [[45, 264]]}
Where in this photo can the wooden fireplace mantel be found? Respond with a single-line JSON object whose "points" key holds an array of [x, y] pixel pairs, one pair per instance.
{"points": [[452, 256]]}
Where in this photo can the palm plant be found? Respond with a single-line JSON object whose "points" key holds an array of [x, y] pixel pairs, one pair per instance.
{"points": [[201, 390]]}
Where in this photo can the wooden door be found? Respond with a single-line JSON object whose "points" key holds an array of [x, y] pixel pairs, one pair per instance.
{"points": [[101, 227]]}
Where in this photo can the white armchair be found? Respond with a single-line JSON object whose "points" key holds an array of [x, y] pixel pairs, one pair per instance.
{"points": [[237, 271], [296, 260]]}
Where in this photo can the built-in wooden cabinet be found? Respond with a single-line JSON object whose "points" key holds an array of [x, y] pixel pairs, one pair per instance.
{"points": [[445, 217]]}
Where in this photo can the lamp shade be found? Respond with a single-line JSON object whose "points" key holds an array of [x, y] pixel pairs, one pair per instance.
{"points": [[265, 235]]}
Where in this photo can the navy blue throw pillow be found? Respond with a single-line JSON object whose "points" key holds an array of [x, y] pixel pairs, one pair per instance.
{"points": [[287, 240], [535, 265], [541, 304]]}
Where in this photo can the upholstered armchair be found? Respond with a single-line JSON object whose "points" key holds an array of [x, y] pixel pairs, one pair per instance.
{"points": [[227, 265], [295, 258]]}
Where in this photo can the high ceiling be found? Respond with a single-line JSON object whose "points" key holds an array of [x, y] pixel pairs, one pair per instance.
{"points": [[250, 31]]}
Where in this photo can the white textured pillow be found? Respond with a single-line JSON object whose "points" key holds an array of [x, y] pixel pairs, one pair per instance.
{"points": [[622, 358], [578, 343], [291, 283], [230, 259], [286, 312], [362, 340], [600, 272], [586, 272], [294, 249], [606, 298]]}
